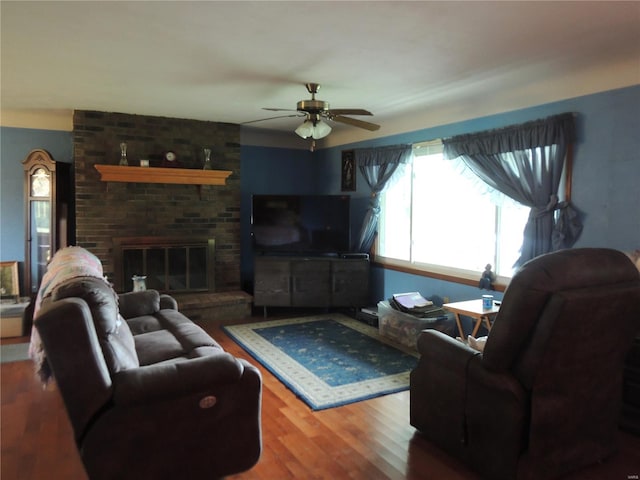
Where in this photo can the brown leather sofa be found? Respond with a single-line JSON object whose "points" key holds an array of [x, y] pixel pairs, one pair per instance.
{"points": [[150, 395], [544, 398]]}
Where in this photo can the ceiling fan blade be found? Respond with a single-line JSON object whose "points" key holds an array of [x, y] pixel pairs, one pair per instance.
{"points": [[272, 118], [356, 123], [279, 109], [349, 111]]}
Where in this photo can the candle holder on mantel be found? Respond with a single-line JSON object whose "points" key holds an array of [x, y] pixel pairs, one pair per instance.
{"points": [[207, 159], [123, 154]]}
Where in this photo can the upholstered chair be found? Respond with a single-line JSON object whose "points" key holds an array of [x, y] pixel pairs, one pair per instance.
{"points": [[544, 398]]}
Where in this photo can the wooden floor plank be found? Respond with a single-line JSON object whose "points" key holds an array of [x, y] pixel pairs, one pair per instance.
{"points": [[366, 440]]}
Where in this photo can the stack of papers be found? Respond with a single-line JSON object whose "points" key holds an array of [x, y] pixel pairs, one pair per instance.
{"points": [[416, 304], [411, 300]]}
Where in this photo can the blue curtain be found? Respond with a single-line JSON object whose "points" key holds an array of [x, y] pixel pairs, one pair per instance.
{"points": [[525, 162], [377, 166]]}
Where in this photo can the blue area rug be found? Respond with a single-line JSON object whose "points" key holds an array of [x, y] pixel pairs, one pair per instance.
{"points": [[328, 360]]}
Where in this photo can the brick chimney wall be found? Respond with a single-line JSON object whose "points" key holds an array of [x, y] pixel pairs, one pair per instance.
{"points": [[107, 210]]}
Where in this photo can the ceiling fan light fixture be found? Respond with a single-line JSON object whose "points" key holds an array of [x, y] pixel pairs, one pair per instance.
{"points": [[315, 110], [320, 130], [315, 130], [305, 129]]}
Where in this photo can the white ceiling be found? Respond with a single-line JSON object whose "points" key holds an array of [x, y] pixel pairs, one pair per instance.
{"points": [[413, 64]]}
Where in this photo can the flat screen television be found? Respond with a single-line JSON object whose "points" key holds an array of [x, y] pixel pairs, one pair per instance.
{"points": [[301, 224]]}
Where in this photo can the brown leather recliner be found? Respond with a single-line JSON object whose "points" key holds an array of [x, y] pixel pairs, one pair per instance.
{"points": [[544, 398], [150, 395]]}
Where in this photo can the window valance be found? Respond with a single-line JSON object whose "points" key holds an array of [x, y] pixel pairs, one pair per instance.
{"points": [[555, 130]]}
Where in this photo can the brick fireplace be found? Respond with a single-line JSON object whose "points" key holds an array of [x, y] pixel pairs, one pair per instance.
{"points": [[110, 210]]}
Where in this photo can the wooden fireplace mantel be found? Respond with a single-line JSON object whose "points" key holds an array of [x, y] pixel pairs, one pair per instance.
{"points": [[183, 176]]}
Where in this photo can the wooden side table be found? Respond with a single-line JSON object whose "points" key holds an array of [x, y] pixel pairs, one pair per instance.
{"points": [[473, 309]]}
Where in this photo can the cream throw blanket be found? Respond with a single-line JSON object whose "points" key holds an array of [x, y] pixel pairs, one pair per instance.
{"points": [[67, 263]]}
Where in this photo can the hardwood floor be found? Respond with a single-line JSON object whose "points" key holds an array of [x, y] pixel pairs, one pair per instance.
{"points": [[366, 440]]}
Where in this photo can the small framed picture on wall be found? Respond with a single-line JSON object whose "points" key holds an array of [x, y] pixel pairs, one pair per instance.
{"points": [[9, 287], [348, 171]]}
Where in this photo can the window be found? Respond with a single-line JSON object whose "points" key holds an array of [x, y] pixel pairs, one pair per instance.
{"points": [[434, 217]]}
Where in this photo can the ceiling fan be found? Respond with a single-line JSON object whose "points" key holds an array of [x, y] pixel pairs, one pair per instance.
{"points": [[316, 111]]}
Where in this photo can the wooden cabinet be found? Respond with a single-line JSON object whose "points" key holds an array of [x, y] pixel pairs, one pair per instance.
{"points": [[311, 282], [272, 282], [350, 283]]}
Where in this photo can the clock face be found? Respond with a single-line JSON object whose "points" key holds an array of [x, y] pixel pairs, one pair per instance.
{"points": [[40, 183]]}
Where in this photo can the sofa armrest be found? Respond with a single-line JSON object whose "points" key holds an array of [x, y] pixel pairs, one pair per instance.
{"points": [[495, 402], [154, 383], [167, 302], [137, 304], [82, 376], [161, 426], [459, 404], [438, 389], [443, 347]]}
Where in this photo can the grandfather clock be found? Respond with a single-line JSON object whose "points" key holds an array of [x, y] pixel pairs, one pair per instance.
{"points": [[49, 223]]}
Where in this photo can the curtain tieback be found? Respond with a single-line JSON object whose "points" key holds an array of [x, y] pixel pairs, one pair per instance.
{"points": [[568, 227], [553, 204]]}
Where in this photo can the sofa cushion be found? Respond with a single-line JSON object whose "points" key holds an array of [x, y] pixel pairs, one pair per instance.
{"points": [[188, 333], [120, 349], [113, 332], [144, 324], [169, 335], [158, 346], [137, 304]]}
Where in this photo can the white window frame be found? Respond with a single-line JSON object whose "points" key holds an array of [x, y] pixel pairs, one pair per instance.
{"points": [[443, 272]]}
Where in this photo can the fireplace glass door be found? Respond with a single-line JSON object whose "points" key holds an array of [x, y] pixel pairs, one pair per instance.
{"points": [[167, 268]]}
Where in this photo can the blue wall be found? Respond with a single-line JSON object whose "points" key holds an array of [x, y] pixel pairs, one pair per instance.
{"points": [[287, 171], [15, 145], [269, 170], [605, 179]]}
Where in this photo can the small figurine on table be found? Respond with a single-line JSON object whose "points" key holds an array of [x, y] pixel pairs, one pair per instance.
{"points": [[488, 277]]}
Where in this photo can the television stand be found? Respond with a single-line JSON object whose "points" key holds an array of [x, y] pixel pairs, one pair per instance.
{"points": [[313, 281]]}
